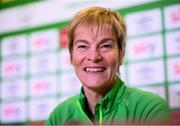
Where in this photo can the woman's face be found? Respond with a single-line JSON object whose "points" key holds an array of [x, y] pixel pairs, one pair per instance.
{"points": [[95, 56]]}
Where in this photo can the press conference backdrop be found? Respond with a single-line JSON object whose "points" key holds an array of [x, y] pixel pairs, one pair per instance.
{"points": [[36, 73]]}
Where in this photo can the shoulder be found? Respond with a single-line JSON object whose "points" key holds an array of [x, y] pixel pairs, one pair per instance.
{"points": [[66, 104], [136, 95], [69, 102], [146, 105], [62, 111]]}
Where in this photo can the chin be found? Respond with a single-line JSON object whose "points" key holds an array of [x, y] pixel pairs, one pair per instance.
{"points": [[94, 85]]}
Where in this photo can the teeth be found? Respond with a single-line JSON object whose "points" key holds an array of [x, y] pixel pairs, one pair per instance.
{"points": [[94, 69]]}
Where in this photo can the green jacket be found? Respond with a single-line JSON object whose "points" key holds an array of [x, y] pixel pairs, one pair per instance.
{"points": [[122, 105]]}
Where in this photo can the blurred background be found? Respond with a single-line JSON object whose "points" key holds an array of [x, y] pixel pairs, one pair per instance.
{"points": [[35, 71]]}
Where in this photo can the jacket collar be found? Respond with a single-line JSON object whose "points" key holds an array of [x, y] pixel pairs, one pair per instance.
{"points": [[111, 99]]}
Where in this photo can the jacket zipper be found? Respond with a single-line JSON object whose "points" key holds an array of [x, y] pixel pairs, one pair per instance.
{"points": [[100, 115], [81, 110]]}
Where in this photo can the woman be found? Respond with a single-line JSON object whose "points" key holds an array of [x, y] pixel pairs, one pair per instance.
{"points": [[97, 46]]}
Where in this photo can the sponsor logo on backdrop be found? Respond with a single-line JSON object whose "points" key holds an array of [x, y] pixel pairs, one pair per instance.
{"points": [[41, 42], [145, 47], [145, 73], [174, 69], [43, 86], [43, 63], [14, 45], [172, 16], [40, 85], [41, 108], [144, 22], [173, 43], [44, 41], [13, 89], [14, 67], [13, 112]]}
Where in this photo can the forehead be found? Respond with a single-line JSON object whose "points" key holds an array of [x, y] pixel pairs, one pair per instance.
{"points": [[94, 30]]}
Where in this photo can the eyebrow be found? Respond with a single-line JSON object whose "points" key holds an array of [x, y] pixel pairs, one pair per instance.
{"points": [[85, 41], [102, 41], [107, 39]]}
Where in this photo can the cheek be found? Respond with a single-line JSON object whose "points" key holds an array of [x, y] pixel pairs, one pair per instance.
{"points": [[113, 61], [76, 59]]}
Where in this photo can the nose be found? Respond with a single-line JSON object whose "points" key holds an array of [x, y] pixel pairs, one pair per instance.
{"points": [[94, 55]]}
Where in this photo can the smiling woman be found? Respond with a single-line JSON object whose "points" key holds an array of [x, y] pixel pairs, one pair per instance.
{"points": [[95, 57], [97, 46]]}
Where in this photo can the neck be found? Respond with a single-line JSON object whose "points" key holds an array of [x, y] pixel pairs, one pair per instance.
{"points": [[94, 96]]}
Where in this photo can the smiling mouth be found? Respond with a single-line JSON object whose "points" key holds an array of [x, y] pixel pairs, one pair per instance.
{"points": [[94, 70]]}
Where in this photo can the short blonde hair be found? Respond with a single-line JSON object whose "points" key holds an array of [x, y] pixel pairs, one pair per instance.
{"points": [[99, 16]]}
